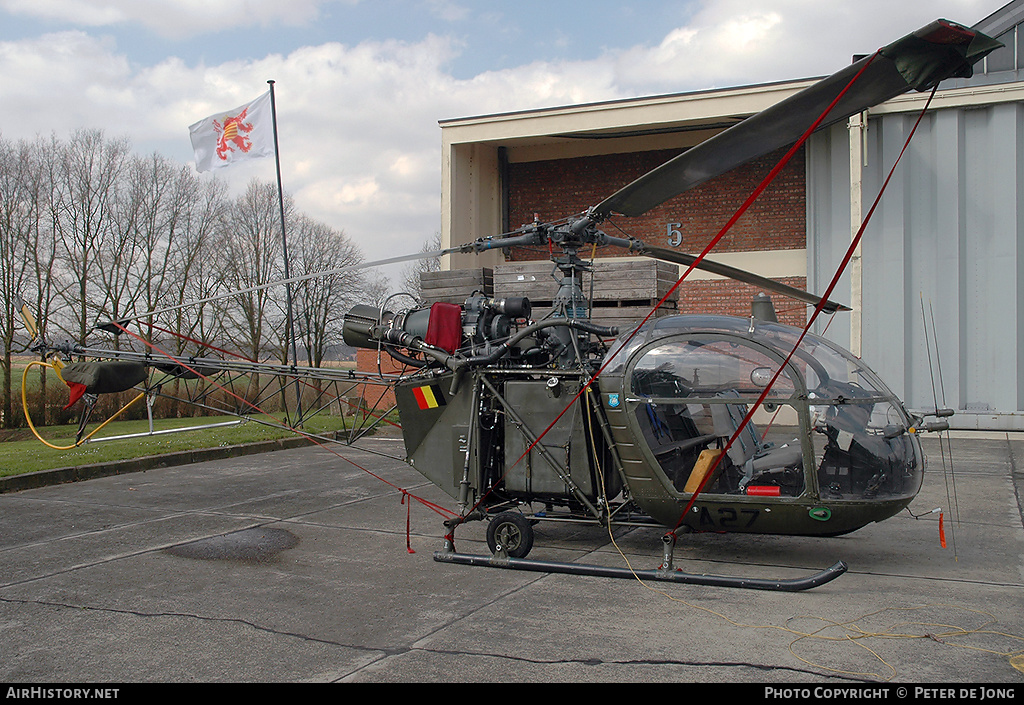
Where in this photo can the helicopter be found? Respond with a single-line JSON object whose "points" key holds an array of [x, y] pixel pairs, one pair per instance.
{"points": [[687, 422]]}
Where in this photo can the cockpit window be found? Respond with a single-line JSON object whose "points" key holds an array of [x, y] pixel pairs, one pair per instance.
{"points": [[692, 394], [701, 368], [826, 368], [863, 451], [689, 443], [828, 424]]}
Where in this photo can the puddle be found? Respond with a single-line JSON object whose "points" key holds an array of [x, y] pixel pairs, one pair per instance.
{"points": [[255, 545]]}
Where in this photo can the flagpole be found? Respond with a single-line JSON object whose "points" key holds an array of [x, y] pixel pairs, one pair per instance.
{"points": [[289, 328]]}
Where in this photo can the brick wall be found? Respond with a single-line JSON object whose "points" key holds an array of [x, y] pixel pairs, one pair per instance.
{"points": [[372, 394], [734, 298], [776, 221]]}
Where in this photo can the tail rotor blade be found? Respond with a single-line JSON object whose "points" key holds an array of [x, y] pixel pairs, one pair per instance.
{"points": [[27, 318]]}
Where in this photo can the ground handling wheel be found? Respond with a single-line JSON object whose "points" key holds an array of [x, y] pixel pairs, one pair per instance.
{"points": [[513, 532]]}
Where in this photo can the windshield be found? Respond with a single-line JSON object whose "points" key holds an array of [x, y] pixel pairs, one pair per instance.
{"points": [[690, 383]]}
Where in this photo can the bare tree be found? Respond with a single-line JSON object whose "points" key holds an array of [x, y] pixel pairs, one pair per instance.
{"points": [[90, 232], [88, 170], [376, 289], [151, 209], [250, 252], [193, 260], [173, 216], [250, 248], [322, 301], [42, 262], [116, 263], [412, 271], [20, 213]]}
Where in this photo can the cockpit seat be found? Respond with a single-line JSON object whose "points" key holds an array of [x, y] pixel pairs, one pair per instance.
{"points": [[749, 452], [784, 456]]}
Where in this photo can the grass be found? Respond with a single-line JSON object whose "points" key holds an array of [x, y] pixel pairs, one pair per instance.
{"points": [[23, 453]]}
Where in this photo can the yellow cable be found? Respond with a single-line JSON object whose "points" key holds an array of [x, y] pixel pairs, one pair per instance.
{"points": [[859, 634], [24, 402]]}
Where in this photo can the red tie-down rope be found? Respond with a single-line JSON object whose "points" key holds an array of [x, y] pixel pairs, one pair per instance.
{"points": [[817, 310], [405, 493], [408, 521], [249, 359], [197, 342], [707, 249]]}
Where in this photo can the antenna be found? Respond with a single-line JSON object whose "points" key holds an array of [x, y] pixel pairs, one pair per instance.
{"points": [[950, 477]]}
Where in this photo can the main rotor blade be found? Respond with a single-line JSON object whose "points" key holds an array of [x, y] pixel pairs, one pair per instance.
{"points": [[933, 53], [740, 275], [113, 326]]}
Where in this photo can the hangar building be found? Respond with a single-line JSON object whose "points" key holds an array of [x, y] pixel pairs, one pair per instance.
{"points": [[939, 282]]}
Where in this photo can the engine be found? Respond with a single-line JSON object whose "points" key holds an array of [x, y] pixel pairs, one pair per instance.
{"points": [[482, 331]]}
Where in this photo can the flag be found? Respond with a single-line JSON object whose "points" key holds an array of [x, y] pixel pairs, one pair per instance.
{"points": [[224, 138], [429, 397]]}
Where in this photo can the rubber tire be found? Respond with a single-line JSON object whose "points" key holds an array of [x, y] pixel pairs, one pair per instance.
{"points": [[512, 529]]}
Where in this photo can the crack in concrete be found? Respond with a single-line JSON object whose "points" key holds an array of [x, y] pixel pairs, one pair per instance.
{"points": [[625, 662], [1016, 480], [390, 652], [198, 617]]}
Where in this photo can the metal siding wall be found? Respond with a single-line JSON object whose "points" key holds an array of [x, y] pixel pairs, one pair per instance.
{"points": [[1019, 239], [947, 233], [884, 252], [990, 371], [828, 216], [944, 306], [920, 266]]}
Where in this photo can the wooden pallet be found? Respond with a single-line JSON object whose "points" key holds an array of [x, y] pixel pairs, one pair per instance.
{"points": [[456, 285], [624, 292], [625, 281]]}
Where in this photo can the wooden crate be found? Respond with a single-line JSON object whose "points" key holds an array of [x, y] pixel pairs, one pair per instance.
{"points": [[624, 317], [629, 280], [456, 285], [624, 291]]}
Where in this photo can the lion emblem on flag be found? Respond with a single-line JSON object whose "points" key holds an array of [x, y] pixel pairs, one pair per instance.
{"points": [[232, 134]]}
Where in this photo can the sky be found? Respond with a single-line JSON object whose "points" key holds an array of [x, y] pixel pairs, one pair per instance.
{"points": [[360, 85]]}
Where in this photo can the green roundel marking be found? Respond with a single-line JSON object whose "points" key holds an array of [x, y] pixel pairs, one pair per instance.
{"points": [[820, 513]]}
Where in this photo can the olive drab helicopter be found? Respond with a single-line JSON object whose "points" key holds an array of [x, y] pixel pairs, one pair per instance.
{"points": [[687, 422]]}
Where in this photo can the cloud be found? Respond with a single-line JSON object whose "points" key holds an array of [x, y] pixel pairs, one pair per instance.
{"points": [[736, 42], [53, 82], [358, 123], [449, 10], [709, 52], [173, 18]]}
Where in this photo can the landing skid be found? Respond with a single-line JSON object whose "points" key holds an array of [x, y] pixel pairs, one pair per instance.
{"points": [[513, 540], [669, 575]]}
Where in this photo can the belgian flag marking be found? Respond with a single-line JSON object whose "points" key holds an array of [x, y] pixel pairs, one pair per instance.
{"points": [[428, 397]]}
